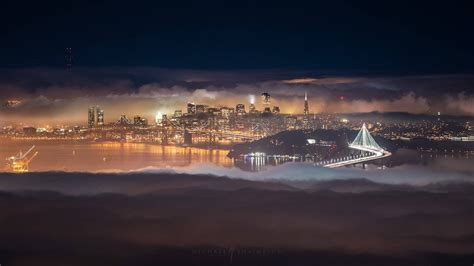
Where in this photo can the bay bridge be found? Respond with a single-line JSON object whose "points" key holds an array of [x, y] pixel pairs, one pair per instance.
{"points": [[363, 142], [256, 132]]}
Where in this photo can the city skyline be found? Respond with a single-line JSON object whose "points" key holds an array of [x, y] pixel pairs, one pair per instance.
{"points": [[57, 99]]}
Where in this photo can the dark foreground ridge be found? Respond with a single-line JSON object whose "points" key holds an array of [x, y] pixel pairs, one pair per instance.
{"points": [[166, 219]]}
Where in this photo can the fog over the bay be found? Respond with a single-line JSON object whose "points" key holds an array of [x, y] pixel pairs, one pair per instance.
{"points": [[120, 182]]}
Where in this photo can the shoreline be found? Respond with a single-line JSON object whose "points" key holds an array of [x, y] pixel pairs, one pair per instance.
{"points": [[86, 141]]}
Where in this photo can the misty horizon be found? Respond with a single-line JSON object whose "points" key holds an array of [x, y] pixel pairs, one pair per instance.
{"points": [[60, 95]]}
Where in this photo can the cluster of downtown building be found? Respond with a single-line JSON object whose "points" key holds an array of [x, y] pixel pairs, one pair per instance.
{"points": [[200, 123]]}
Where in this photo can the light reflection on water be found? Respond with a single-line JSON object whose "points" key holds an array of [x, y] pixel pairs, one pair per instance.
{"points": [[110, 156], [113, 156], [436, 161]]}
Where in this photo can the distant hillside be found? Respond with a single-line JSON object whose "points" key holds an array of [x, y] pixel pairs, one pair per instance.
{"points": [[295, 142], [335, 142], [403, 116]]}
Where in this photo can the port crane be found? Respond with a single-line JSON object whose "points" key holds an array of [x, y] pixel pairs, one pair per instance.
{"points": [[19, 163]]}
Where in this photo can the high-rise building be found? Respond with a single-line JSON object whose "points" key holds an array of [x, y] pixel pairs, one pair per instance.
{"points": [[91, 117], [266, 98], [306, 106], [213, 111], [191, 108], [266, 103], [178, 113], [158, 117], [137, 120], [68, 57], [252, 108], [306, 112], [240, 109], [140, 121], [99, 116], [201, 108], [226, 112], [276, 110]]}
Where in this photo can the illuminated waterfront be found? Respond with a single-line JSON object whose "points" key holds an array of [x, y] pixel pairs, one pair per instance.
{"points": [[112, 156]]}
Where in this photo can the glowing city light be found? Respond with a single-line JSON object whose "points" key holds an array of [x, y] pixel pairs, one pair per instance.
{"points": [[252, 99], [158, 117]]}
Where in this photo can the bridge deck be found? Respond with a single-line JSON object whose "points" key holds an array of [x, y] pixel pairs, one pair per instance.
{"points": [[377, 154]]}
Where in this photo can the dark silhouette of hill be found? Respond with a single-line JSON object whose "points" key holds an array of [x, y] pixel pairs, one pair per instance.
{"points": [[295, 142]]}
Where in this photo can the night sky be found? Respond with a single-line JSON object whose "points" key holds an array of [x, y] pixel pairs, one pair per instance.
{"points": [[155, 57], [376, 37]]}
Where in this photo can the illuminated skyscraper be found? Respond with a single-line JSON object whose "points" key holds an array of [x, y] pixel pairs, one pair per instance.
{"points": [[95, 117], [191, 108], [276, 110], [201, 108], [214, 111], [158, 118], [91, 117], [137, 120], [99, 116], [178, 113], [306, 106], [252, 108], [140, 121], [266, 98], [306, 112], [240, 109], [226, 112], [266, 102]]}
